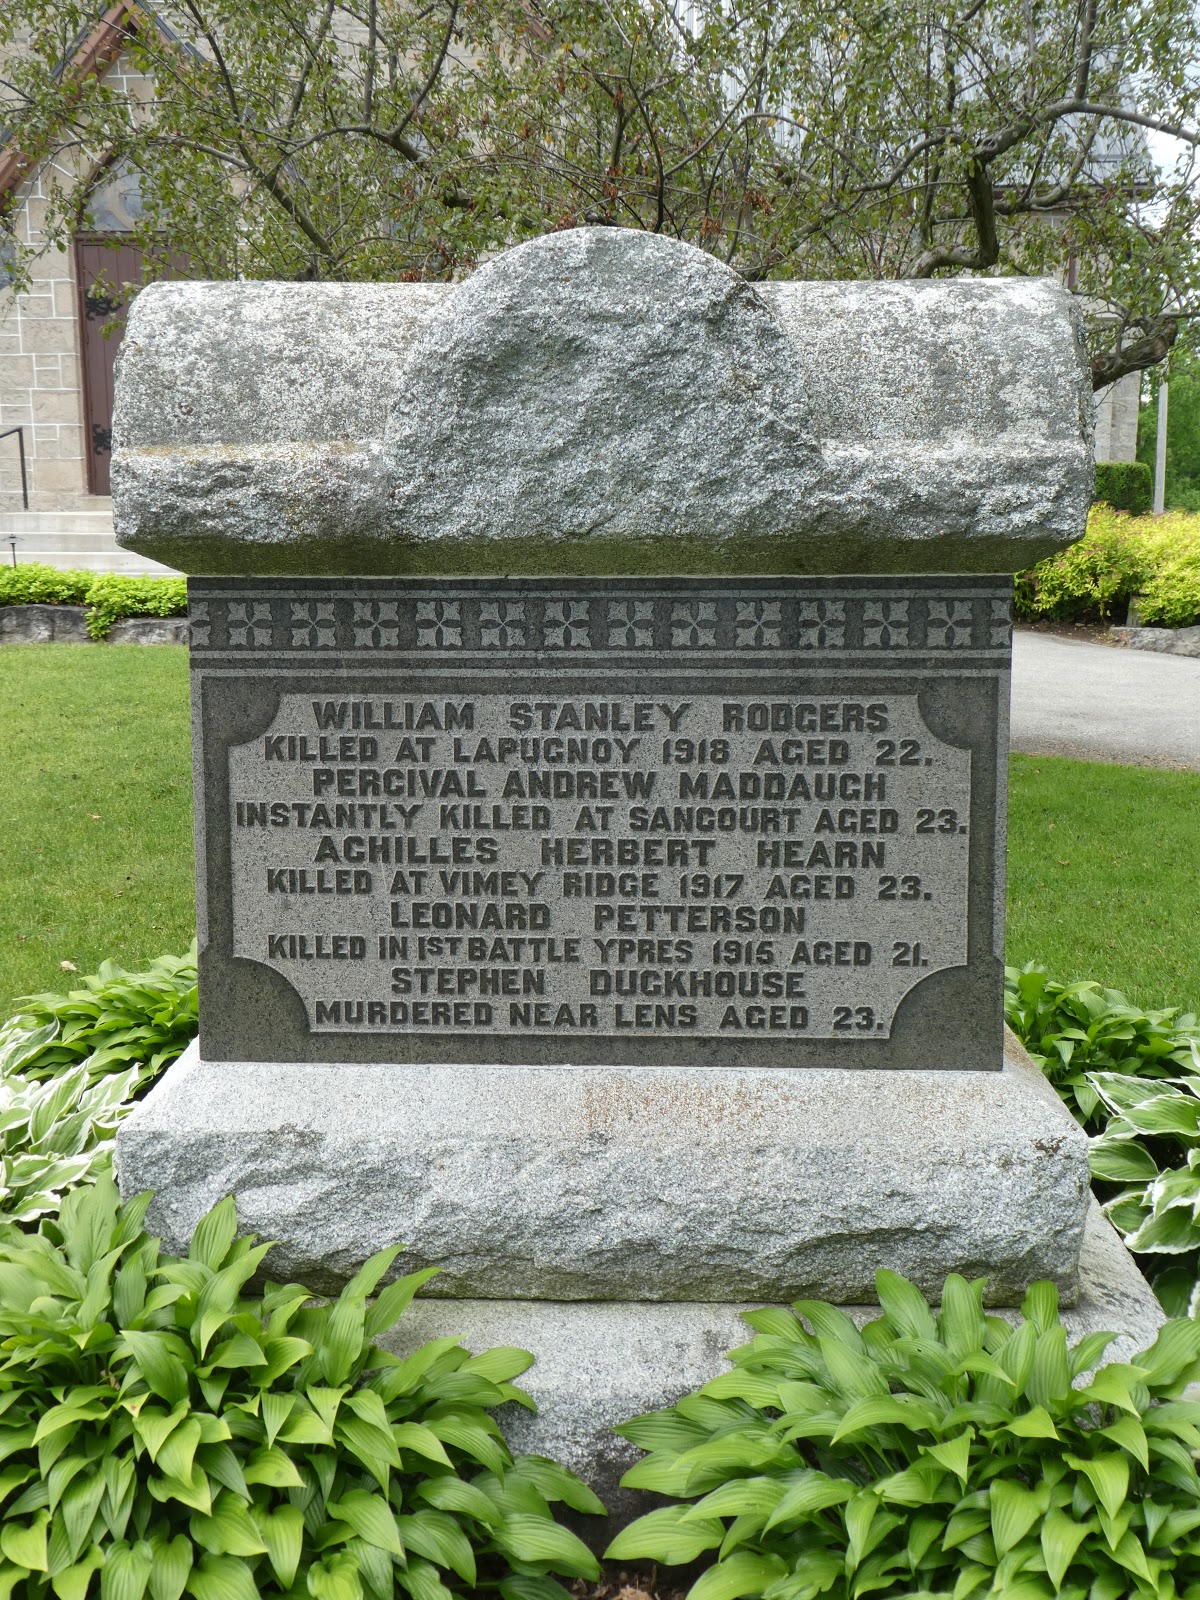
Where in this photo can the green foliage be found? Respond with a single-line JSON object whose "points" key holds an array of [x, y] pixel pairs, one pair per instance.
{"points": [[1171, 588], [1182, 488], [164, 1432], [108, 596], [54, 1134], [113, 596], [34, 584], [409, 145], [1074, 1029], [930, 1457], [1155, 558], [71, 1068], [1150, 1146], [113, 1020], [1091, 580], [1125, 486]]}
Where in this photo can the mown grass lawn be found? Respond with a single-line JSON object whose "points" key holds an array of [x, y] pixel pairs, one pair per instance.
{"points": [[1104, 875], [96, 837], [95, 810]]}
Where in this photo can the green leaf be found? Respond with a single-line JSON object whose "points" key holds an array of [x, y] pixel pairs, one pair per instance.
{"points": [[371, 1517], [275, 1410], [757, 1497], [239, 1351], [664, 1536], [555, 1482], [170, 1565], [1108, 1475], [417, 1437], [439, 1538], [1036, 1423], [1014, 1510], [1173, 1355], [814, 1492], [222, 1578], [1087, 1353], [1128, 1432], [954, 1454], [272, 1466], [905, 1306], [25, 1543], [220, 1464], [744, 1573], [364, 1282], [523, 1586], [1040, 1306], [214, 1234], [881, 1410], [229, 1531], [960, 1320], [163, 1371], [126, 1572], [1121, 1160], [500, 1364], [282, 1531], [335, 1578], [342, 1341], [1165, 1232], [450, 1493], [471, 1438], [421, 1580], [1061, 1536], [536, 1539], [80, 1503], [73, 1582], [304, 1426], [178, 1452], [1113, 1385], [1050, 1374]]}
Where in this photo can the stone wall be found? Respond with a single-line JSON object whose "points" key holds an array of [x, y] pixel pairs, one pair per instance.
{"points": [[41, 385], [1117, 419]]}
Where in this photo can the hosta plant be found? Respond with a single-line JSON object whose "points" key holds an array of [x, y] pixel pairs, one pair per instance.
{"points": [[934, 1456], [1074, 1029], [163, 1432], [1151, 1147], [55, 1134], [111, 1019]]}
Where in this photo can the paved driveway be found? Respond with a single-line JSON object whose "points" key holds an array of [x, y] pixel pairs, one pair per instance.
{"points": [[1100, 703]]}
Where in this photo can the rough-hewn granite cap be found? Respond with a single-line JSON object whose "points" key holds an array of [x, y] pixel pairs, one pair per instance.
{"points": [[602, 399]]}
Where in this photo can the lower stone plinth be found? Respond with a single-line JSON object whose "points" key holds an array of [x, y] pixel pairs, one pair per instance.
{"points": [[648, 1183], [598, 1364]]}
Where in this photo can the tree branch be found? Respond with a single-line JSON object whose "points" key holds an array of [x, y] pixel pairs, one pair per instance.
{"points": [[1154, 346]]}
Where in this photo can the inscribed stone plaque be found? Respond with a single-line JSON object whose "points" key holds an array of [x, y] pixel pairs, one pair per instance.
{"points": [[602, 820]]}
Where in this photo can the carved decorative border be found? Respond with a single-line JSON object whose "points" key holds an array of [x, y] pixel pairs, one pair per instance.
{"points": [[701, 621]]}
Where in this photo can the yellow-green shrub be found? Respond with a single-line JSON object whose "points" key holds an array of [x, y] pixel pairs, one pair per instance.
{"points": [[1156, 558], [108, 596]]}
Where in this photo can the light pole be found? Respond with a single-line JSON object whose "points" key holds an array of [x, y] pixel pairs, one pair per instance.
{"points": [[1160, 451]]}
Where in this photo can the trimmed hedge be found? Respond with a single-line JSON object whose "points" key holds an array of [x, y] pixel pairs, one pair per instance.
{"points": [[1155, 558], [108, 596], [1125, 486]]}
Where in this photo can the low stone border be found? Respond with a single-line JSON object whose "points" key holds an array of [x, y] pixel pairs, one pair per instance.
{"points": [[1167, 641], [45, 624]]}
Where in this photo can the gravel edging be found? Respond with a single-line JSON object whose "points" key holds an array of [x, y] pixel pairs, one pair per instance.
{"points": [[48, 624]]}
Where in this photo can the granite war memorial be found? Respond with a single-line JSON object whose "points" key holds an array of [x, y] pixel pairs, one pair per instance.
{"points": [[600, 687]]}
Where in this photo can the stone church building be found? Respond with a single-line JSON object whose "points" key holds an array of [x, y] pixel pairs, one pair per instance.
{"points": [[58, 342]]}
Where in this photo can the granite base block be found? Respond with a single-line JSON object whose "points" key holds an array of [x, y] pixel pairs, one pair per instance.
{"points": [[1166, 641], [653, 1184], [598, 1364]]}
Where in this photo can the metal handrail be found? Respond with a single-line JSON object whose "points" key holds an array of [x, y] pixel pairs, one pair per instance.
{"points": [[20, 433]]}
